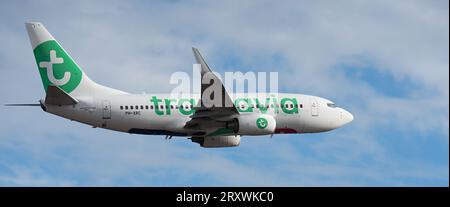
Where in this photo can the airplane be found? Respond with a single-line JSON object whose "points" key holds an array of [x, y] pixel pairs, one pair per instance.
{"points": [[209, 120]]}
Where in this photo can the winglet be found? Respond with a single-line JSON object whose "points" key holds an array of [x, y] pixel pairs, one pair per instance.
{"points": [[222, 98], [199, 59]]}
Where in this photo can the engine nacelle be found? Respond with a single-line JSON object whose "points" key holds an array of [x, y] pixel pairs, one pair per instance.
{"points": [[218, 141], [253, 124]]}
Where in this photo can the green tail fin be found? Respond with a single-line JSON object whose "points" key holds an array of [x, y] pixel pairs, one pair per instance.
{"points": [[56, 67]]}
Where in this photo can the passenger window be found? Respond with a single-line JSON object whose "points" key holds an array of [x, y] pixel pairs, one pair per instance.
{"points": [[142, 107], [151, 107], [161, 107], [131, 107], [137, 107], [121, 107], [146, 107], [301, 105], [292, 106]]}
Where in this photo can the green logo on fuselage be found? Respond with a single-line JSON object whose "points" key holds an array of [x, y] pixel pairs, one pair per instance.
{"points": [[185, 106], [261, 123], [56, 67]]}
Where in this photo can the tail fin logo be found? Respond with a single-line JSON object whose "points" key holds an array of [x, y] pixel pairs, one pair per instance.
{"points": [[56, 67], [49, 66]]}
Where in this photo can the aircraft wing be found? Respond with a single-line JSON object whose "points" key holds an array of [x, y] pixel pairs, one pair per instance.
{"points": [[215, 105]]}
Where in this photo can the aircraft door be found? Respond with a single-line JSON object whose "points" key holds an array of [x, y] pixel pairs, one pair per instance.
{"points": [[314, 107], [106, 108]]}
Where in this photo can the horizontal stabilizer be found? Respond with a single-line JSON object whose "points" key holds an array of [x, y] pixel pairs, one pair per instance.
{"points": [[22, 104], [56, 96]]}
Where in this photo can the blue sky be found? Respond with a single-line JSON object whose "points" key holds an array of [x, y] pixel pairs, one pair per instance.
{"points": [[387, 62]]}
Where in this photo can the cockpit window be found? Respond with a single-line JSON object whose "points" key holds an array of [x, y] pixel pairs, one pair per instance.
{"points": [[331, 105]]}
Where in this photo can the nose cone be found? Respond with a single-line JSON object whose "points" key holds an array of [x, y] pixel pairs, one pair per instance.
{"points": [[346, 117]]}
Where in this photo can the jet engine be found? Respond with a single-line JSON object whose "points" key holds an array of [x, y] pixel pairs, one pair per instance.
{"points": [[253, 124], [218, 141]]}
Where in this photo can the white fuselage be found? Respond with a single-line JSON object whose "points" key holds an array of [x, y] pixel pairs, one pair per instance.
{"points": [[159, 114], [71, 94]]}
